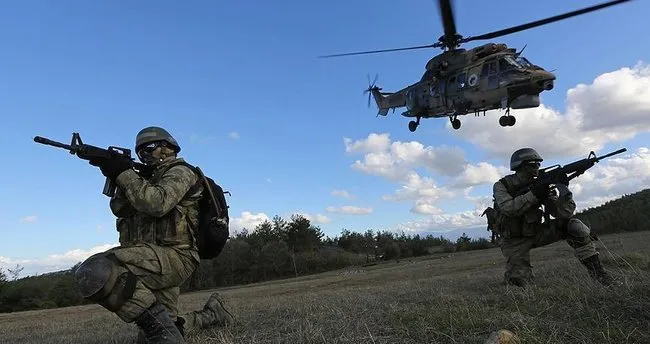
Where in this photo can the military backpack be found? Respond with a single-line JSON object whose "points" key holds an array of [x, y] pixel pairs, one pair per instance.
{"points": [[500, 219], [213, 230]]}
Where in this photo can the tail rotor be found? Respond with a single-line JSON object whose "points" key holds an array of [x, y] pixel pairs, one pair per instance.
{"points": [[371, 87]]}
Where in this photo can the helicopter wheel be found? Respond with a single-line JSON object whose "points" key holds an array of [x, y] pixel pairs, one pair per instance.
{"points": [[413, 125], [507, 121], [455, 122]]}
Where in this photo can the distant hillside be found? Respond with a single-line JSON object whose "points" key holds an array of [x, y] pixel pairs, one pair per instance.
{"points": [[283, 249], [628, 213]]}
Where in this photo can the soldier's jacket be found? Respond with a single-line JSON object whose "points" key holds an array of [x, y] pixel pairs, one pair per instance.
{"points": [[162, 210], [523, 213]]}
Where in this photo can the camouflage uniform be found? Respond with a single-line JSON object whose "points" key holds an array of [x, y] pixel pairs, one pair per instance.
{"points": [[157, 213], [156, 240], [520, 221]]}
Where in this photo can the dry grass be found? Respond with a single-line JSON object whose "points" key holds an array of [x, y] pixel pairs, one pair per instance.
{"points": [[452, 299]]}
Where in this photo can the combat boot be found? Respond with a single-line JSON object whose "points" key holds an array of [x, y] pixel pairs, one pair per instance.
{"points": [[213, 313], [597, 271], [157, 327]]}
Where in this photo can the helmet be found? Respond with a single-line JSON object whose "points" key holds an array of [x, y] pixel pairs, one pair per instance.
{"points": [[152, 134], [523, 155]]}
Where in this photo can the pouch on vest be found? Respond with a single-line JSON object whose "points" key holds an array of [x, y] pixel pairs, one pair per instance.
{"points": [[531, 220]]}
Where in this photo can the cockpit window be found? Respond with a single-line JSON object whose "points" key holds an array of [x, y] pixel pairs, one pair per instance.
{"points": [[508, 62], [524, 62], [489, 68], [460, 80]]}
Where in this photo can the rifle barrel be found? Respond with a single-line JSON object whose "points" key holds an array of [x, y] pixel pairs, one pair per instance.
{"points": [[612, 153], [46, 141]]}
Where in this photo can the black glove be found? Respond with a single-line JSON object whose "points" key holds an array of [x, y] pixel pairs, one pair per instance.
{"points": [[564, 179], [540, 191], [145, 172], [111, 168]]}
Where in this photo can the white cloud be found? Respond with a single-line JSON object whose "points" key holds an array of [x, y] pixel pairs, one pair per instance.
{"points": [[55, 262], [314, 218], [397, 162], [444, 222], [268, 180], [422, 207], [478, 174], [613, 108], [341, 193], [349, 209], [420, 188], [320, 219], [234, 135], [247, 220], [29, 219]]}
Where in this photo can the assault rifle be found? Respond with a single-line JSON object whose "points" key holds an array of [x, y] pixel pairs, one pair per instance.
{"points": [[88, 152], [556, 174]]}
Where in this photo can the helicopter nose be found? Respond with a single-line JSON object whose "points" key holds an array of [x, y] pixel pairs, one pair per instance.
{"points": [[546, 84], [545, 80]]}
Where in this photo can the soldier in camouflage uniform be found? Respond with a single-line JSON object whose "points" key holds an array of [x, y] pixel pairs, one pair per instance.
{"points": [[520, 220], [157, 213]]}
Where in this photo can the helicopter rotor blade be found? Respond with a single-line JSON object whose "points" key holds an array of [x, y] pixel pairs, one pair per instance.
{"points": [[380, 51], [541, 22], [447, 15]]}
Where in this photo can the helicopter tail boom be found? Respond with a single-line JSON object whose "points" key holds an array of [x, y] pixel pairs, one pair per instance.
{"points": [[380, 100]]}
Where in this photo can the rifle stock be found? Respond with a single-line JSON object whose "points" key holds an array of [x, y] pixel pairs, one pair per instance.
{"points": [[89, 152]]}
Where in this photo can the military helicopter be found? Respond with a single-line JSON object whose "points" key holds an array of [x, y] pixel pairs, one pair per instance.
{"points": [[461, 81]]}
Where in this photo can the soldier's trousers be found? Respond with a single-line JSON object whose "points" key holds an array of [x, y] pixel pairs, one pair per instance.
{"points": [[159, 271], [516, 250]]}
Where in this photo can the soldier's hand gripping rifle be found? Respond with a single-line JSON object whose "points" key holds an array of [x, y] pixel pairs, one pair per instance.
{"points": [[88, 152], [557, 174]]}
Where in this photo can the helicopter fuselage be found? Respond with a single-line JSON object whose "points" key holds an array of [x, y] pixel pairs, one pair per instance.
{"points": [[459, 82]]}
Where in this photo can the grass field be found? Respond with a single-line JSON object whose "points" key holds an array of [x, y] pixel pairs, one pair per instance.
{"points": [[456, 298]]}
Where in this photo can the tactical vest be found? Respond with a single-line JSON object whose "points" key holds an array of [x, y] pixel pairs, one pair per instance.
{"points": [[174, 229], [515, 227]]}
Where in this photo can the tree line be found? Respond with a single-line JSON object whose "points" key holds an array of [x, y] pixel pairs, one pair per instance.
{"points": [[285, 248]]}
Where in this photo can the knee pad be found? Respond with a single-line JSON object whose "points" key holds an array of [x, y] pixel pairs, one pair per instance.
{"points": [[98, 279], [577, 228], [95, 276]]}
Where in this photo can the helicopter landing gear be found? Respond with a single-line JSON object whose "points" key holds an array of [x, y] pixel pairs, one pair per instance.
{"points": [[414, 124], [455, 122], [507, 121]]}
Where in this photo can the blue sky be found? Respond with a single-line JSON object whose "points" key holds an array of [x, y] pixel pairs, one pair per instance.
{"points": [[240, 87]]}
